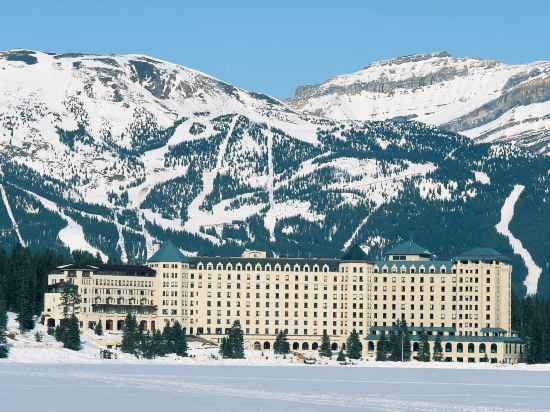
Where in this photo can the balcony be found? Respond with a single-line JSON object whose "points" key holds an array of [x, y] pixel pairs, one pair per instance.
{"points": [[124, 309]]}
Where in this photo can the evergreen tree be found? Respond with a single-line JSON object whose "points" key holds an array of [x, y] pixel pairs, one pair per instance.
{"points": [[70, 299], [236, 340], [325, 350], [341, 357], [180, 340], [130, 335], [169, 339], [25, 315], [225, 348], [438, 350], [281, 345], [406, 336], [71, 336], [157, 344], [354, 346], [4, 348], [98, 329], [382, 349], [424, 351]]}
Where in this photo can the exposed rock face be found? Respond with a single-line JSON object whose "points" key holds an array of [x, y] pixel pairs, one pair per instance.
{"points": [[484, 99]]}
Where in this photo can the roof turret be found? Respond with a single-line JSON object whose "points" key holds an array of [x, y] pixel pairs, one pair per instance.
{"points": [[168, 252]]}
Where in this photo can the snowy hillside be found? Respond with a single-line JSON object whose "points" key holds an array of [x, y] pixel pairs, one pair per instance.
{"points": [[485, 100], [114, 154]]}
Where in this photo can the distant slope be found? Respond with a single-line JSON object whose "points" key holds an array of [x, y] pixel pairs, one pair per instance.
{"points": [[486, 100]]}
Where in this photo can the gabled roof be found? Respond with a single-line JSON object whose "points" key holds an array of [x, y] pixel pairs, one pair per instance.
{"points": [[408, 248], [354, 253], [482, 253], [168, 252]]}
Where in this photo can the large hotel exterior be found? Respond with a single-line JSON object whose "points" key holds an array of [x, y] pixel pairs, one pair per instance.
{"points": [[466, 300]]}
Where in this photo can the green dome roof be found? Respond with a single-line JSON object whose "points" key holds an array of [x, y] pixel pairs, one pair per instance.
{"points": [[482, 253], [354, 253], [408, 248], [168, 252]]}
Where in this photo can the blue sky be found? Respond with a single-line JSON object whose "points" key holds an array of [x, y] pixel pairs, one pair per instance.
{"points": [[274, 48]]}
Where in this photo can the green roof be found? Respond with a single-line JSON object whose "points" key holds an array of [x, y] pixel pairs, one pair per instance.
{"points": [[408, 248], [354, 253], [168, 252], [482, 253]]}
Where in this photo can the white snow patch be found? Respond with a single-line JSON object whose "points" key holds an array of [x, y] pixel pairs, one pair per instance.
{"points": [[502, 227], [482, 178]]}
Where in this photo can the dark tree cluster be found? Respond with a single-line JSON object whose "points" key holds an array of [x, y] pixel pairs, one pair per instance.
{"points": [[150, 345], [232, 344], [531, 320]]}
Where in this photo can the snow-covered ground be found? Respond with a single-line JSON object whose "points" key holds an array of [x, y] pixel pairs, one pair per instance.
{"points": [[59, 379]]}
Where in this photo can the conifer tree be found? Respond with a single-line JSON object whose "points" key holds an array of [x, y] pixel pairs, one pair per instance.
{"points": [[71, 338], [225, 348], [168, 337], [281, 345], [325, 350], [70, 299], [406, 337], [157, 344], [98, 329], [4, 348], [180, 340], [424, 350], [382, 349], [130, 336], [341, 357], [236, 340], [353, 346], [25, 315], [438, 350]]}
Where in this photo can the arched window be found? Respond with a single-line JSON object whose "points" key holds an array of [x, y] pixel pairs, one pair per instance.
{"points": [[412, 269], [277, 268], [248, 266], [448, 347], [459, 348], [287, 268], [493, 348], [422, 269], [306, 268], [229, 266], [296, 268], [209, 266], [316, 268], [394, 269], [200, 266], [238, 266], [471, 348], [219, 266], [482, 348], [325, 268], [257, 346], [432, 269], [416, 347], [295, 346], [258, 267], [443, 269], [403, 269], [334, 346], [305, 346], [314, 346], [376, 270], [268, 267], [267, 345]]}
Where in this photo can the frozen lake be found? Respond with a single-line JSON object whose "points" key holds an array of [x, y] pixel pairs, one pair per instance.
{"points": [[175, 388]]}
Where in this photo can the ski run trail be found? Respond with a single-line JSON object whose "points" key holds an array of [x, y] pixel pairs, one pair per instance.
{"points": [[502, 227], [11, 216], [196, 216]]}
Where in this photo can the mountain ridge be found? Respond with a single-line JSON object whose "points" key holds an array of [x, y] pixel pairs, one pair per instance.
{"points": [[113, 157]]}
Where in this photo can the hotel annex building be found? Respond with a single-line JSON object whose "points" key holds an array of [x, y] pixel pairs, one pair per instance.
{"points": [[466, 301]]}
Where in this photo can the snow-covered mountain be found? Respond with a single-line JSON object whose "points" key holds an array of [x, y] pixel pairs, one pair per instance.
{"points": [[116, 153], [486, 100]]}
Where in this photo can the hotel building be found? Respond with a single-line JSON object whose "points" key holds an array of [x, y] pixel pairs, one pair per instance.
{"points": [[465, 300]]}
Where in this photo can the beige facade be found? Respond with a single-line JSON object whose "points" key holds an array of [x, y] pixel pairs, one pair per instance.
{"points": [[464, 296]]}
